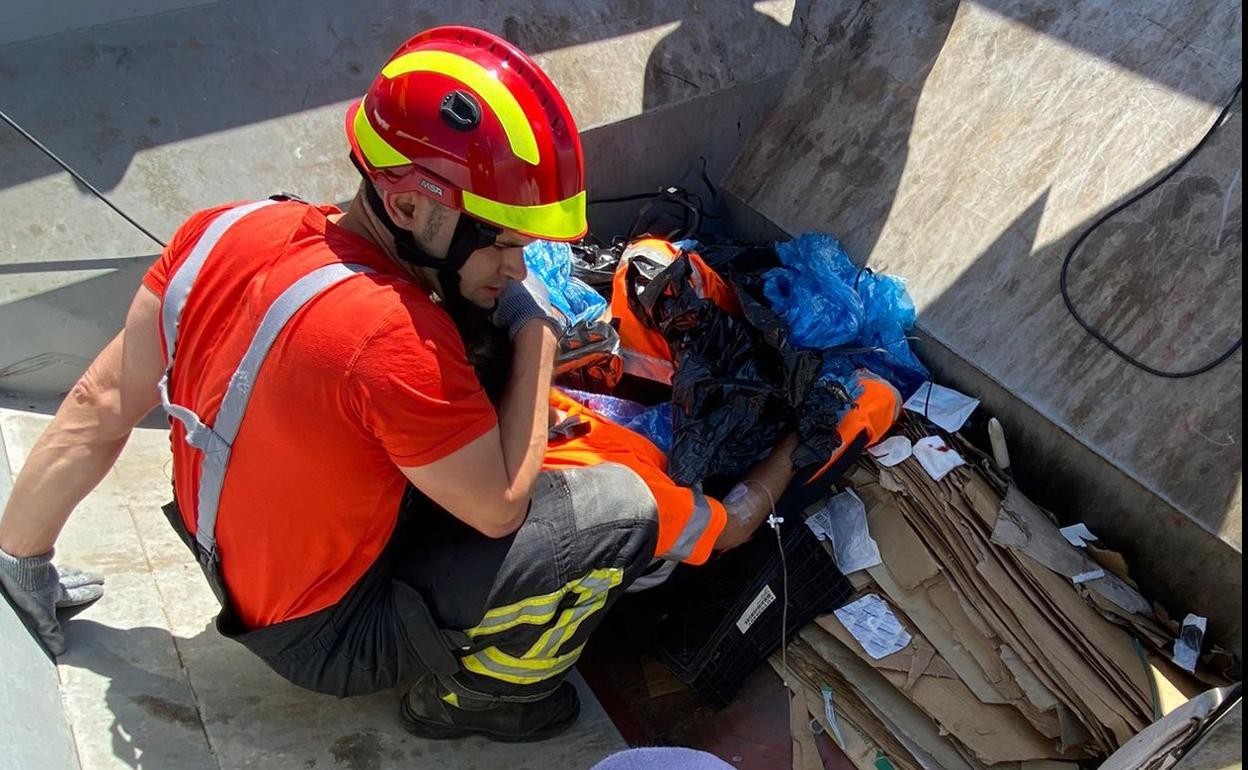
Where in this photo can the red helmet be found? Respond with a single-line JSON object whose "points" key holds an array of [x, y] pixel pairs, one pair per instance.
{"points": [[469, 120]]}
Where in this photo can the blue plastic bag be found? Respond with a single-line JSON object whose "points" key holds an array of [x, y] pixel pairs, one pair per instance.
{"points": [[814, 293], [655, 424], [571, 296], [832, 305]]}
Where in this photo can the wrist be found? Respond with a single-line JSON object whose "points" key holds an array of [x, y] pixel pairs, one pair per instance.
{"points": [[29, 573], [537, 332]]}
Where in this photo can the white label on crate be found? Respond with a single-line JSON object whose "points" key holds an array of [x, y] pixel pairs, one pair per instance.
{"points": [[757, 607]]}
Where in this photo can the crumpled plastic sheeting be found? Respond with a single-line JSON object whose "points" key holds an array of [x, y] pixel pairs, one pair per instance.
{"points": [[830, 303], [655, 424], [739, 386], [571, 296]]}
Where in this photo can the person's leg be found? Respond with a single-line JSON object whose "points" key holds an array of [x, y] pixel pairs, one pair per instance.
{"points": [[528, 602]]}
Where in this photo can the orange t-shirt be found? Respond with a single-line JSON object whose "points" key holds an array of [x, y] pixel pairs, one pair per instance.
{"points": [[368, 376]]}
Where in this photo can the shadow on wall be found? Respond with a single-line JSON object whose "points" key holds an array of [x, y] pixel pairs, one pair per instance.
{"points": [[839, 139], [704, 54], [102, 94], [1010, 124]]}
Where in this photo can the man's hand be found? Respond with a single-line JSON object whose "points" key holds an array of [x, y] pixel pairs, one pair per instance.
{"points": [[35, 588], [524, 301]]}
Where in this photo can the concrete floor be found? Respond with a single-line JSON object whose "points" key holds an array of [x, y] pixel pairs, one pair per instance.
{"points": [[148, 683]]}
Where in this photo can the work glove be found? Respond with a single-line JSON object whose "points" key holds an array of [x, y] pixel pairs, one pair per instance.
{"points": [[524, 301], [37, 589]]}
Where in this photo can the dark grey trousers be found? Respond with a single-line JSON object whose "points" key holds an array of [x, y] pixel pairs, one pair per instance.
{"points": [[519, 608]]}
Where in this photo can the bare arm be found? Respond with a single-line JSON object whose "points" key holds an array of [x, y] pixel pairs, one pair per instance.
{"points": [[487, 484], [750, 510], [87, 434]]}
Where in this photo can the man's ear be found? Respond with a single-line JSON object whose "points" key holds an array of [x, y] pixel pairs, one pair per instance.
{"points": [[404, 209], [432, 225]]}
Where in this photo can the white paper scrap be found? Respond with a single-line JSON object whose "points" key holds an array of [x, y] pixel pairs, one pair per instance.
{"points": [[852, 543], [1078, 535], [893, 450], [936, 457], [944, 406], [1191, 639], [874, 625], [1092, 574], [819, 523]]}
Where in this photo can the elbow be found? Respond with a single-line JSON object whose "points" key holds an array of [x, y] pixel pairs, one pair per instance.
{"points": [[93, 406], [506, 522]]}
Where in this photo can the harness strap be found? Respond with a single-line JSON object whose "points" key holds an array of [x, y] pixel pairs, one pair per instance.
{"points": [[216, 441]]}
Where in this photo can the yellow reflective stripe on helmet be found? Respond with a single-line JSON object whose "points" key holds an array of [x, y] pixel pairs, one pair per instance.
{"points": [[377, 150], [515, 124], [561, 220]]}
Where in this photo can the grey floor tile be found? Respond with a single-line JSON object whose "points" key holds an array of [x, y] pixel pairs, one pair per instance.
{"points": [[148, 681]]}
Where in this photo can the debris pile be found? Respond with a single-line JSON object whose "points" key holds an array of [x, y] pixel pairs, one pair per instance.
{"points": [[984, 636]]}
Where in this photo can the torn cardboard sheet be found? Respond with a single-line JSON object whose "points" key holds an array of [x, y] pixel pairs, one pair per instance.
{"points": [[944, 406], [1078, 535], [1191, 639], [874, 626], [892, 450], [846, 524], [1024, 526], [936, 457]]}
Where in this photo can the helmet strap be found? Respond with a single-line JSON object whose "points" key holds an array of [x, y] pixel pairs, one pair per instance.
{"points": [[470, 234]]}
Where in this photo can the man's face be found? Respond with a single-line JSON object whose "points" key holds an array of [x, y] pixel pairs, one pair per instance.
{"points": [[487, 271]]}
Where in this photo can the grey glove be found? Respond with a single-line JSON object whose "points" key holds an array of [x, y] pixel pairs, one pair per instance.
{"points": [[34, 586], [524, 301]]}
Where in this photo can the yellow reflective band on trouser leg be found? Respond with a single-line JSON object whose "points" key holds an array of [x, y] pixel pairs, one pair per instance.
{"points": [[496, 664], [503, 102], [533, 611], [541, 661], [561, 220], [593, 591]]}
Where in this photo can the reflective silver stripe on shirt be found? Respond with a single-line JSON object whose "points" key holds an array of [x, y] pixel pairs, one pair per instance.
{"points": [[179, 286], [216, 458], [695, 527], [216, 441]]}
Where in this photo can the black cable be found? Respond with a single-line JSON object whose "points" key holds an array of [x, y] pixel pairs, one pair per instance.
{"points": [[1070, 255], [78, 177]]}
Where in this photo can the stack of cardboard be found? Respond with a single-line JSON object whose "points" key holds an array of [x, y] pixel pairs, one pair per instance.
{"points": [[1017, 649]]}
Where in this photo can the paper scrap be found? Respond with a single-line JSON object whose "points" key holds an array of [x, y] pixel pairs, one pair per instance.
{"points": [[874, 625], [1191, 638], [936, 457], [829, 715], [892, 451], [819, 523], [944, 406], [1092, 574], [852, 544], [1078, 535]]}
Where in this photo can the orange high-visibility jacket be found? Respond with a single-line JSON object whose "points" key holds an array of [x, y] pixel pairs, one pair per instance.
{"points": [[689, 521], [645, 352]]}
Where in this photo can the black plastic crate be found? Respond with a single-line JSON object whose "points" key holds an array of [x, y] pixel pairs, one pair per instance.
{"points": [[713, 625]]}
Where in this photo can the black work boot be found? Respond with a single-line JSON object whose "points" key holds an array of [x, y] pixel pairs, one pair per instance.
{"points": [[427, 713]]}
